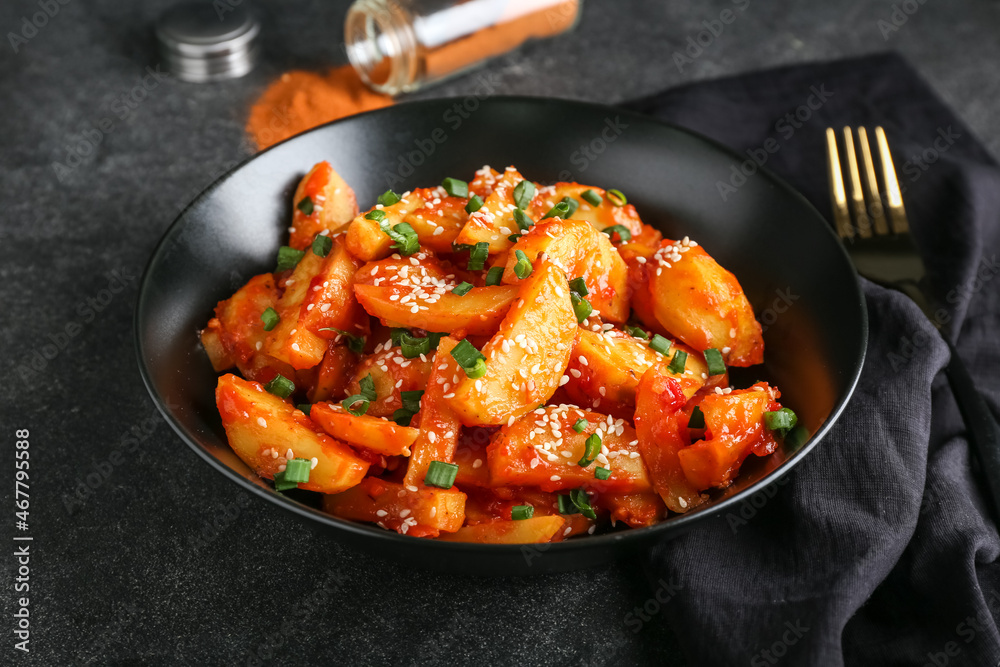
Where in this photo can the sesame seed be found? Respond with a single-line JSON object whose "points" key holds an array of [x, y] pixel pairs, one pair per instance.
{"points": [[554, 478], [381, 513], [313, 462], [262, 422]]}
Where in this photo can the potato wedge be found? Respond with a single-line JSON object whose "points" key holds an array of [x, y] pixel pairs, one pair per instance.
{"points": [[437, 437], [659, 403], [392, 374], [582, 252], [479, 312], [334, 373], [470, 456], [422, 513], [734, 428], [373, 433], [526, 359], [494, 222], [237, 322], [635, 509], [211, 340], [439, 221], [331, 205], [600, 217], [542, 449], [288, 342], [535, 530], [365, 238], [701, 303], [263, 429]]}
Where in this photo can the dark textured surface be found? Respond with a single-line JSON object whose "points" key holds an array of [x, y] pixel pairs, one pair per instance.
{"points": [[133, 572]]}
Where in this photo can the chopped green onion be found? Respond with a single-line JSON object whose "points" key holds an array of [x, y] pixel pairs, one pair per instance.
{"points": [[591, 197], [581, 500], [365, 398], [678, 363], [572, 205], [602, 473], [405, 237], [376, 215], [616, 197], [697, 419], [288, 258], [470, 359], [270, 318], [475, 203], [282, 484], [522, 219], [780, 421], [441, 474], [524, 192], [579, 286], [637, 332], [716, 365], [355, 344], [659, 344], [321, 245], [623, 233], [462, 289], [593, 448], [478, 255], [396, 336], [521, 512], [388, 198], [580, 426], [455, 187], [280, 386], [411, 406], [513, 238], [297, 470], [305, 407], [581, 306], [523, 267], [566, 505], [560, 210], [493, 276], [306, 205], [413, 347]]}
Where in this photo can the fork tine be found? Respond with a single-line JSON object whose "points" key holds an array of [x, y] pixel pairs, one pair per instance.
{"points": [[841, 216], [894, 198], [875, 206], [861, 218]]}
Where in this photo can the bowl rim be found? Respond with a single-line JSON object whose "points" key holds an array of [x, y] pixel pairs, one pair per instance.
{"points": [[632, 536]]}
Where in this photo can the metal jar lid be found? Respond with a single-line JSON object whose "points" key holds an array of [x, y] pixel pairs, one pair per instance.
{"points": [[206, 41]]}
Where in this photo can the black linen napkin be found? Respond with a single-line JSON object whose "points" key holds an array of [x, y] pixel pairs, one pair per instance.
{"points": [[879, 549]]}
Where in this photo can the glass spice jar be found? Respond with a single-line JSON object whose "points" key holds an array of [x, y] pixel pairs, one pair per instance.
{"points": [[398, 46]]}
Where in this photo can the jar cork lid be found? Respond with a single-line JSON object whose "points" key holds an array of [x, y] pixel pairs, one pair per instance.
{"points": [[205, 41]]}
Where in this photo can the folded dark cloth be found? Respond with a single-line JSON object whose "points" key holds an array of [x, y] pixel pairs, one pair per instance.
{"points": [[879, 549]]}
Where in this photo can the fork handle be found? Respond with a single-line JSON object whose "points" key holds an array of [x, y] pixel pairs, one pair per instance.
{"points": [[981, 424]]}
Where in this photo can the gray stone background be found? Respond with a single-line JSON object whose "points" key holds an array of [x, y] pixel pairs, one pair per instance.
{"points": [[166, 563]]}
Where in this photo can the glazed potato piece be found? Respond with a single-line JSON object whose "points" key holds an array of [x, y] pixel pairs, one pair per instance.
{"points": [[699, 302], [438, 222], [582, 252], [376, 434], [494, 222], [211, 340], [365, 238], [601, 216], [237, 325], [635, 509], [263, 429], [298, 347], [477, 313], [334, 373], [526, 359], [542, 449], [605, 369], [440, 428], [734, 428], [659, 404], [392, 374], [330, 203], [535, 530], [425, 512]]}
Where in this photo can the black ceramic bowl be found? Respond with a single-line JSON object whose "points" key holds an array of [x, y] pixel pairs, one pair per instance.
{"points": [[794, 271]]}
